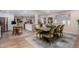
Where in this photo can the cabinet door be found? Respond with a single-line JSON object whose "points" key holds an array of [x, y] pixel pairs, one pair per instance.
{"points": [[2, 23], [28, 27], [6, 23]]}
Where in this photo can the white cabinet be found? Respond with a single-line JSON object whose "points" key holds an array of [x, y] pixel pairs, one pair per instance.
{"points": [[28, 27]]}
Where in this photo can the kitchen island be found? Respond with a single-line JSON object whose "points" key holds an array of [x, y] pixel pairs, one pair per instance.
{"points": [[29, 27]]}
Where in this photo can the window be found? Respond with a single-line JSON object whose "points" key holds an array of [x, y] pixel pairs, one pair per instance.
{"points": [[63, 19]]}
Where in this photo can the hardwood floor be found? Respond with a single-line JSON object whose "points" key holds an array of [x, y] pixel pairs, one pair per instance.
{"points": [[77, 42], [18, 41]]}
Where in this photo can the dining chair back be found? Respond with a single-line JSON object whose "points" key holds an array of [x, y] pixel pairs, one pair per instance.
{"points": [[61, 30]]}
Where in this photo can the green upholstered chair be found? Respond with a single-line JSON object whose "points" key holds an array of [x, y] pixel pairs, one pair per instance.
{"points": [[57, 31], [46, 32], [61, 30], [49, 35], [48, 25], [37, 29]]}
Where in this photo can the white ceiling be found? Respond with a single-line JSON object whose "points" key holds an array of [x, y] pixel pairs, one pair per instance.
{"points": [[31, 12]]}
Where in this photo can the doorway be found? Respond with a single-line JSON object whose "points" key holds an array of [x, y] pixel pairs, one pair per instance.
{"points": [[4, 23]]}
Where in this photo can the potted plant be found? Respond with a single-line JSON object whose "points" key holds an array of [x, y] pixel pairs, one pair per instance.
{"points": [[50, 20], [19, 21]]}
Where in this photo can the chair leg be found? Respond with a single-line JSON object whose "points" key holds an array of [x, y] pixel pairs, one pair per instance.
{"points": [[36, 35], [40, 36], [61, 34]]}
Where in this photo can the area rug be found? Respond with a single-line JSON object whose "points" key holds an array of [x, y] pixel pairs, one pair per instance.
{"points": [[67, 41]]}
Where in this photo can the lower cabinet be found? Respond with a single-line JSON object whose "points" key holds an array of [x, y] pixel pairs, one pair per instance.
{"points": [[28, 27]]}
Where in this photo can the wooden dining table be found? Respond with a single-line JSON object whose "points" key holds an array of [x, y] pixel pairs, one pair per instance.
{"points": [[48, 28], [17, 30], [45, 29]]}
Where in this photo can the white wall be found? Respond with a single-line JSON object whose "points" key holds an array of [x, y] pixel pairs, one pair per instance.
{"points": [[74, 25], [36, 18], [10, 18], [73, 28]]}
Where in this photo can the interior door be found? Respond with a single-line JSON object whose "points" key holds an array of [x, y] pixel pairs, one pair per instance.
{"points": [[4, 23]]}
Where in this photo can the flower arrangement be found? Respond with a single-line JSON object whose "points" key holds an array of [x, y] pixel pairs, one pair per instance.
{"points": [[50, 20]]}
